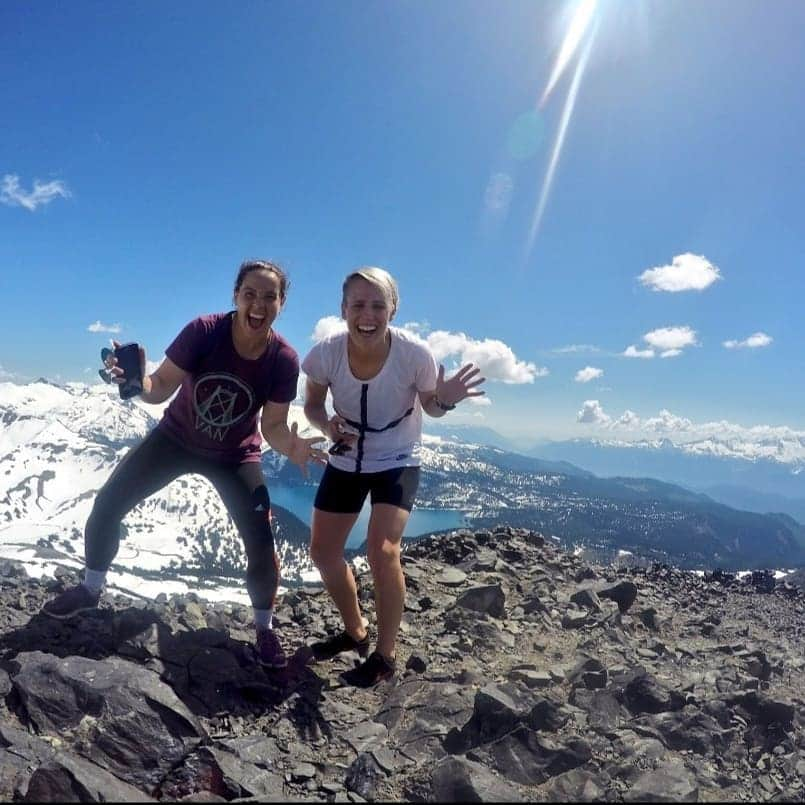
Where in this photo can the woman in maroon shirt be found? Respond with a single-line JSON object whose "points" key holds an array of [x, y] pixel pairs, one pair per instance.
{"points": [[232, 371]]}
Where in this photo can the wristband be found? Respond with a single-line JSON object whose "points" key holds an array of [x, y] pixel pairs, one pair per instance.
{"points": [[443, 406]]}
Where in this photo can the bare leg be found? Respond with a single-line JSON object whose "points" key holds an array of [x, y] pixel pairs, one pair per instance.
{"points": [[386, 526], [328, 536]]}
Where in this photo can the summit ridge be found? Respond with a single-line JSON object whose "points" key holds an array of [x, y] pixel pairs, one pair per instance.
{"points": [[524, 674]]}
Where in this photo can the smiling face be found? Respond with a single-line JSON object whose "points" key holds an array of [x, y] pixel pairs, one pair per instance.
{"points": [[367, 310], [258, 301]]}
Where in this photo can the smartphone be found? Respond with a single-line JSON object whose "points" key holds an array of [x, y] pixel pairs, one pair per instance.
{"points": [[128, 359], [339, 448]]}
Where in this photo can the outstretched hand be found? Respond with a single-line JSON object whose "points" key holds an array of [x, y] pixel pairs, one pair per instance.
{"points": [[301, 450], [460, 386]]}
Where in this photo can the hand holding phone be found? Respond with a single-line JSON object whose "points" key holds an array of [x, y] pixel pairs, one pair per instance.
{"points": [[127, 358], [339, 448]]}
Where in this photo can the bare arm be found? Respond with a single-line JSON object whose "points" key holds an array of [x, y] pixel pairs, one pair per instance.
{"points": [[335, 427], [315, 410], [159, 385]]}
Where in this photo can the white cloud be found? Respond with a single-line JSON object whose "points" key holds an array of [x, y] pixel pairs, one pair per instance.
{"points": [[13, 195], [668, 339], [777, 442], [754, 341], [495, 359], [592, 414], [99, 327], [329, 325], [667, 423], [480, 401], [687, 272], [418, 327], [628, 419], [633, 352], [573, 348], [6, 375], [587, 374]]}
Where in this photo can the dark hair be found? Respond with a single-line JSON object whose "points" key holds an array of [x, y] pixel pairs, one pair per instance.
{"points": [[263, 265]]}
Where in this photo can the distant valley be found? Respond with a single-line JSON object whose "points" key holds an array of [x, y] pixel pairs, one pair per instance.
{"points": [[724, 471]]}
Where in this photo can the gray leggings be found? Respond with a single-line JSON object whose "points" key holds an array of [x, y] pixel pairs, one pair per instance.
{"points": [[157, 461]]}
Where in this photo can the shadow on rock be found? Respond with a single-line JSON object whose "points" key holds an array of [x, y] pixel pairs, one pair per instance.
{"points": [[209, 671]]}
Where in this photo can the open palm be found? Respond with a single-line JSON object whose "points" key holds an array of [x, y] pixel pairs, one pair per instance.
{"points": [[460, 386]]}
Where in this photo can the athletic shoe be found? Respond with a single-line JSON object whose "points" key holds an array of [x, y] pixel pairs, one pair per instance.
{"points": [[375, 669], [72, 601], [332, 646], [269, 650]]}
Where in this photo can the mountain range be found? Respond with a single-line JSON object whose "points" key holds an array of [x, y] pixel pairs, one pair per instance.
{"points": [[760, 476], [59, 443]]}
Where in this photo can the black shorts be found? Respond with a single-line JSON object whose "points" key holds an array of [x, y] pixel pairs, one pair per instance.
{"points": [[344, 492]]}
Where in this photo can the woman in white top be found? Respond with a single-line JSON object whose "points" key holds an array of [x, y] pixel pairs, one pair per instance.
{"points": [[380, 379]]}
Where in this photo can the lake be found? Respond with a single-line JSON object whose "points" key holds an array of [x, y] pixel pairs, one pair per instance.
{"points": [[299, 501]]}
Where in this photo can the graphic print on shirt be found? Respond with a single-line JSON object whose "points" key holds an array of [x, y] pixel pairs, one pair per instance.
{"points": [[219, 401]]}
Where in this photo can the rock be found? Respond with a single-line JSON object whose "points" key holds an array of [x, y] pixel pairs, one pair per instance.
{"points": [[304, 771], [586, 599], [365, 735], [497, 699], [533, 679], [416, 664], [215, 772], [577, 785], [460, 780], [584, 574], [118, 715], [585, 665], [530, 758], [574, 620], [669, 782], [364, 775], [623, 594], [452, 577], [644, 694], [489, 599], [594, 680]]}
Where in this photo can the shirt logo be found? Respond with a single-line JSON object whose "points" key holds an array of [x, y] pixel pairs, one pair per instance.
{"points": [[219, 401]]}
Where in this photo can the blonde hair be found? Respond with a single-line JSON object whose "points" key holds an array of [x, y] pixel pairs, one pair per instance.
{"points": [[378, 277]]}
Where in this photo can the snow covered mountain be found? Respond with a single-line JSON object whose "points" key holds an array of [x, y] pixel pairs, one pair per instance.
{"points": [[58, 445], [762, 475]]}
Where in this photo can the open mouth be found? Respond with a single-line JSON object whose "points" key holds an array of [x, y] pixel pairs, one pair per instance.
{"points": [[255, 322], [366, 329]]}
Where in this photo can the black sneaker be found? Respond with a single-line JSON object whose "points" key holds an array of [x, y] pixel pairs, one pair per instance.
{"points": [[375, 669], [72, 601], [329, 648]]}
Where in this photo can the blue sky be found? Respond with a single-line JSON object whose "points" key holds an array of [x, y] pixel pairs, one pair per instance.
{"points": [[147, 148]]}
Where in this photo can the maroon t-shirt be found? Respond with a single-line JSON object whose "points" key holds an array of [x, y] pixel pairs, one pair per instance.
{"points": [[215, 414]]}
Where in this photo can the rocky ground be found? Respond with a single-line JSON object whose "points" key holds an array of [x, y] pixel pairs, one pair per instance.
{"points": [[524, 674]]}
